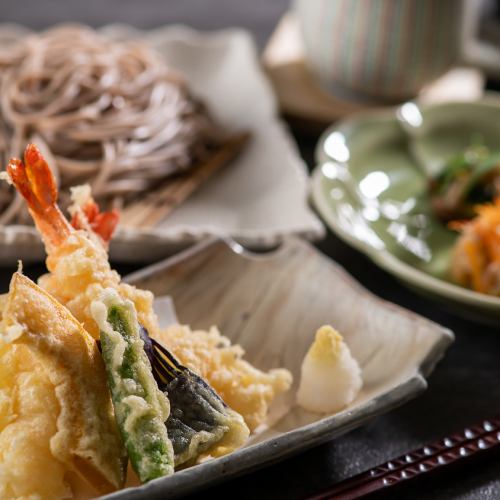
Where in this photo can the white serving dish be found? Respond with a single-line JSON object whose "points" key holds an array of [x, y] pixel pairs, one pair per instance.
{"points": [[272, 305]]}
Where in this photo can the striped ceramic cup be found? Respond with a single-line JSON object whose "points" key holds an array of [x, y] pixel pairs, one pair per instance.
{"points": [[383, 49]]}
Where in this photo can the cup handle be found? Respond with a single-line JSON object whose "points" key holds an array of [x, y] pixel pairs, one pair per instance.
{"points": [[474, 52]]}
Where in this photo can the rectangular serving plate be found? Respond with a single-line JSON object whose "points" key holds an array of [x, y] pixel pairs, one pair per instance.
{"points": [[272, 305], [259, 198]]}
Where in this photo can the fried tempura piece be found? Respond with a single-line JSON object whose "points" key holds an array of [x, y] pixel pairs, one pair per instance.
{"points": [[27, 465], [244, 388], [79, 271], [141, 409], [55, 411]]}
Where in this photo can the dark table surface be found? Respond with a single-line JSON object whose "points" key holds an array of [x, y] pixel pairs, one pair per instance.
{"points": [[464, 387]]}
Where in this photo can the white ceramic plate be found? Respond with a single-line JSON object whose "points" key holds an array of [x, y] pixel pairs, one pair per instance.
{"points": [[258, 199], [272, 306]]}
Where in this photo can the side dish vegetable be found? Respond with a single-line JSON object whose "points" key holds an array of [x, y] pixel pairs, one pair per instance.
{"points": [[469, 178], [141, 409], [476, 256]]}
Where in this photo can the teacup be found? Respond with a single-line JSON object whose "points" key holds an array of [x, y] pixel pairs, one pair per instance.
{"points": [[390, 49]]}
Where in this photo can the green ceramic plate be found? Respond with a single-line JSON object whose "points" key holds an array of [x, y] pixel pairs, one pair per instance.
{"points": [[370, 186]]}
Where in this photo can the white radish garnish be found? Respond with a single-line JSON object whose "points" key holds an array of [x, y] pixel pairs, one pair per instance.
{"points": [[330, 376]]}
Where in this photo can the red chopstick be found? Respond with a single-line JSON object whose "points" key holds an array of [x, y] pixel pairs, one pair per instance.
{"points": [[462, 446]]}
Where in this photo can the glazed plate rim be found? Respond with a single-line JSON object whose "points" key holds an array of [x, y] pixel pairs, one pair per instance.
{"points": [[382, 257]]}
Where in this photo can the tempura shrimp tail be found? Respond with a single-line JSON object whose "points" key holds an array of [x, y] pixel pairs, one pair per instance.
{"points": [[86, 215], [77, 258], [35, 181]]}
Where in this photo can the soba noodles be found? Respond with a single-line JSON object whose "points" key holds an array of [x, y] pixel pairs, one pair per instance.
{"points": [[107, 113]]}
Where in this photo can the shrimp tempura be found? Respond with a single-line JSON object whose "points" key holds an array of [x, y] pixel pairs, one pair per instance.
{"points": [[79, 271], [77, 259]]}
